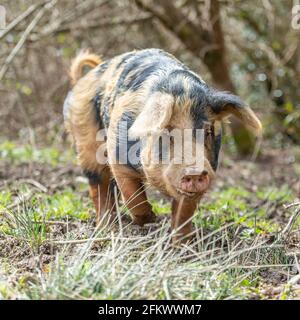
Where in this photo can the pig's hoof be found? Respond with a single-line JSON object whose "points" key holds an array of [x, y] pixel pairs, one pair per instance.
{"points": [[107, 219], [143, 219], [178, 240]]}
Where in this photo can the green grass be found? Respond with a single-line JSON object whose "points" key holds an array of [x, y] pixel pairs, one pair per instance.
{"points": [[64, 204], [28, 153], [237, 249], [216, 267], [232, 205], [27, 221], [150, 268]]}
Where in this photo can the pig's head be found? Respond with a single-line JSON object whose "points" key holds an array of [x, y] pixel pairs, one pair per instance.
{"points": [[182, 103]]}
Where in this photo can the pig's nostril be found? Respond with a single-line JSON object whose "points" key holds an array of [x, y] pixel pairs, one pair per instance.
{"points": [[186, 179]]}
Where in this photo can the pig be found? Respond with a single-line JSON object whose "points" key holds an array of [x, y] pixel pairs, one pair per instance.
{"points": [[143, 96]]}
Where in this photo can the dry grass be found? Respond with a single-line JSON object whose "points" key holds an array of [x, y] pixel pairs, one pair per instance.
{"points": [[246, 242]]}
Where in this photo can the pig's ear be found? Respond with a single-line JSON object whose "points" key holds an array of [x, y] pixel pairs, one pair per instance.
{"points": [[224, 104], [154, 117]]}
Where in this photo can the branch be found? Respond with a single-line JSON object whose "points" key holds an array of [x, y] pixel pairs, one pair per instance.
{"points": [[93, 26], [24, 36], [79, 11], [214, 17], [21, 17], [192, 35]]}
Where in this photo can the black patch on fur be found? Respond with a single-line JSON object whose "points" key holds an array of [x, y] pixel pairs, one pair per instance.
{"points": [[150, 59], [124, 59], [96, 101], [197, 92], [124, 125], [198, 97], [171, 84], [140, 76], [201, 95], [131, 64], [94, 178], [112, 186], [105, 111], [102, 67], [108, 99], [215, 151], [219, 99], [177, 89], [138, 66]]}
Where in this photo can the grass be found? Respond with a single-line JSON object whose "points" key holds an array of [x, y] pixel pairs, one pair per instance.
{"points": [[27, 153], [50, 249], [232, 204], [218, 266]]}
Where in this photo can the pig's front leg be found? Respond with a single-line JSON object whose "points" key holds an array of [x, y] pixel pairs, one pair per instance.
{"points": [[135, 199], [182, 211]]}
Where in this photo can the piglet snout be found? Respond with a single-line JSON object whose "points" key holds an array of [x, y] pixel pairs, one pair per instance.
{"points": [[195, 183]]}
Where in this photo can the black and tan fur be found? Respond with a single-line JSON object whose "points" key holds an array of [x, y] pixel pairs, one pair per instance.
{"points": [[151, 90]]}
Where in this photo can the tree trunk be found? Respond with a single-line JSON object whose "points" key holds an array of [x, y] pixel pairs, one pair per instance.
{"points": [[207, 44], [216, 62]]}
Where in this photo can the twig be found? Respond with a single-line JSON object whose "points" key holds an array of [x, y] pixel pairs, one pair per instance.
{"points": [[21, 199], [294, 280], [21, 17], [109, 23], [24, 36], [80, 241], [290, 223], [79, 11], [294, 204], [262, 266], [35, 183], [64, 223]]}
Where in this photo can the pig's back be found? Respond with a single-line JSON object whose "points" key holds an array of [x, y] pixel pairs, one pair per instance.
{"points": [[131, 73], [138, 67]]}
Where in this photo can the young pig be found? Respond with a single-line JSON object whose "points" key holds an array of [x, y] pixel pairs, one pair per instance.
{"points": [[124, 108]]}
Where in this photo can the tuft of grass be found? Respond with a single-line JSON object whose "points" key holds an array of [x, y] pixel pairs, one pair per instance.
{"points": [[63, 204], [236, 251], [23, 223], [233, 205], [160, 207], [26, 219], [27, 153], [5, 199], [215, 267], [279, 195]]}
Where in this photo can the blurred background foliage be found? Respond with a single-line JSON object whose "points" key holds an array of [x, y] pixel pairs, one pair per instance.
{"points": [[248, 47]]}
